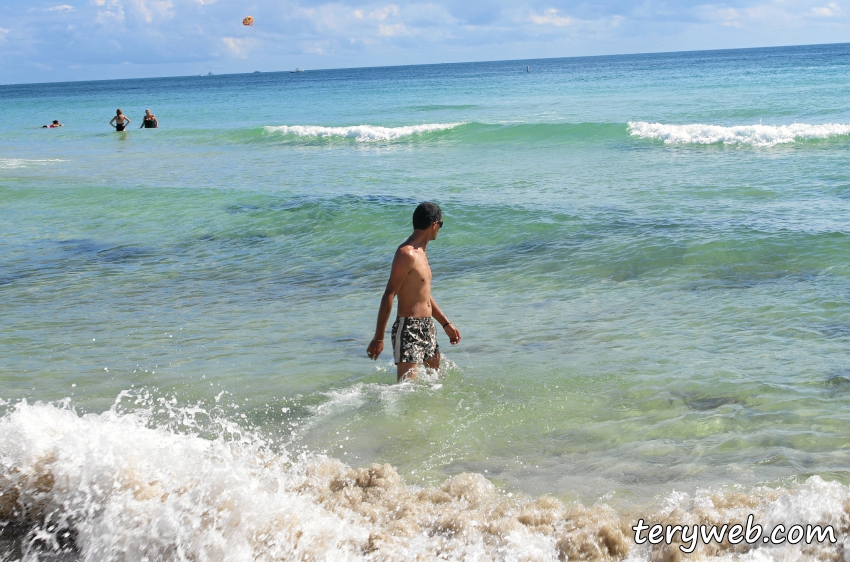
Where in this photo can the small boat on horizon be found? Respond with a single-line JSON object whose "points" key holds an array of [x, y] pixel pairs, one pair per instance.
{"points": [[296, 70]]}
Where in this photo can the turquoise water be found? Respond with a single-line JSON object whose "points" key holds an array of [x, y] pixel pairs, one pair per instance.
{"points": [[646, 256]]}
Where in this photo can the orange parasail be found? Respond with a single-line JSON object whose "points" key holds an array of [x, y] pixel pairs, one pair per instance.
{"points": [[248, 21]]}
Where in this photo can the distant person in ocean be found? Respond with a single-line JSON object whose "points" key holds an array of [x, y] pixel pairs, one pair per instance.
{"points": [[53, 125], [120, 122], [149, 121], [414, 335]]}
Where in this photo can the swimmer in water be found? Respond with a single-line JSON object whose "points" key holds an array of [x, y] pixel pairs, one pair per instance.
{"points": [[149, 121], [120, 122], [414, 335], [53, 125]]}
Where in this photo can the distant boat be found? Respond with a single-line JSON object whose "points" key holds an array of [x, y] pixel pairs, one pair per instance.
{"points": [[296, 70], [209, 73], [256, 72]]}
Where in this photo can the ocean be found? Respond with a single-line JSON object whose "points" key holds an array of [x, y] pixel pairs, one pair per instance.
{"points": [[646, 256]]}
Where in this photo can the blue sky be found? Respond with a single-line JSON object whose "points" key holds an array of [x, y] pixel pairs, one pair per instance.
{"points": [[60, 40]]}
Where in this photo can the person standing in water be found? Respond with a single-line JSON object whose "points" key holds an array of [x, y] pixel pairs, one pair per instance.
{"points": [[120, 122], [414, 335], [149, 121]]}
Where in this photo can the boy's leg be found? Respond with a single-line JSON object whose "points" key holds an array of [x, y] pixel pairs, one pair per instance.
{"points": [[434, 362], [406, 371]]}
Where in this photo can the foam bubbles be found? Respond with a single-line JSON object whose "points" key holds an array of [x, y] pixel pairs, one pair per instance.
{"points": [[127, 491], [816, 502], [361, 133], [13, 163], [755, 135], [116, 486]]}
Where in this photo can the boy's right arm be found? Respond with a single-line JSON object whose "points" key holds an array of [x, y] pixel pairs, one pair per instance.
{"points": [[402, 263]]}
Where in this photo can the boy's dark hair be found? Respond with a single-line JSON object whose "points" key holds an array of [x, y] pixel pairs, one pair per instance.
{"points": [[425, 215]]}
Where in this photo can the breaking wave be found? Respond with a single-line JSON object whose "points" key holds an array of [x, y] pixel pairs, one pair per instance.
{"points": [[755, 135], [13, 163], [119, 486], [361, 133]]}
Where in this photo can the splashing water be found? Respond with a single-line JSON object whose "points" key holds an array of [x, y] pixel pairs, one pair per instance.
{"points": [[361, 133], [756, 135], [117, 486]]}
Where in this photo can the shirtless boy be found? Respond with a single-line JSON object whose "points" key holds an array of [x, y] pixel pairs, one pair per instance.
{"points": [[414, 335]]}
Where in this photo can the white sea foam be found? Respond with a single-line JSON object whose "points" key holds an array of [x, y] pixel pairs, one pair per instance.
{"points": [[128, 490], [361, 133], [756, 135], [11, 163], [354, 397]]}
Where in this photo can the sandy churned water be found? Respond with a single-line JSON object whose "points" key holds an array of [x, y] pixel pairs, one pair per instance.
{"points": [[109, 487]]}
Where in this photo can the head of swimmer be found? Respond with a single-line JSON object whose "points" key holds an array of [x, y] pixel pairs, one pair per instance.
{"points": [[118, 112], [428, 217]]}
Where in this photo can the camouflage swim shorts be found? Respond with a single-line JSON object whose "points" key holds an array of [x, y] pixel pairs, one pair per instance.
{"points": [[414, 340]]}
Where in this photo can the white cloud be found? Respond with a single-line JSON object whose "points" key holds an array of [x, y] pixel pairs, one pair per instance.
{"points": [[391, 30], [551, 17], [136, 11], [154, 9], [61, 8], [729, 17], [775, 14], [318, 48], [237, 47], [357, 14], [110, 17], [830, 10], [325, 17], [383, 13]]}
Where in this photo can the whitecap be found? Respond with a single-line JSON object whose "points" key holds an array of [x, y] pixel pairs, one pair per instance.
{"points": [[361, 133], [387, 396], [123, 488], [12, 163], [755, 135]]}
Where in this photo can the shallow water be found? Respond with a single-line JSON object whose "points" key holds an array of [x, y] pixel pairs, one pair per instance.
{"points": [[646, 256]]}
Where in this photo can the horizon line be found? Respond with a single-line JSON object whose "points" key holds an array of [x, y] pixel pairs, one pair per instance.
{"points": [[653, 53]]}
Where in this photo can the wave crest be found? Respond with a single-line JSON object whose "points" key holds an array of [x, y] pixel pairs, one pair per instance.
{"points": [[12, 163], [755, 135], [117, 486], [361, 133], [111, 487]]}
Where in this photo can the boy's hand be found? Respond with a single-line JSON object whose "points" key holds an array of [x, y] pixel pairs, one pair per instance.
{"points": [[453, 333], [374, 350]]}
